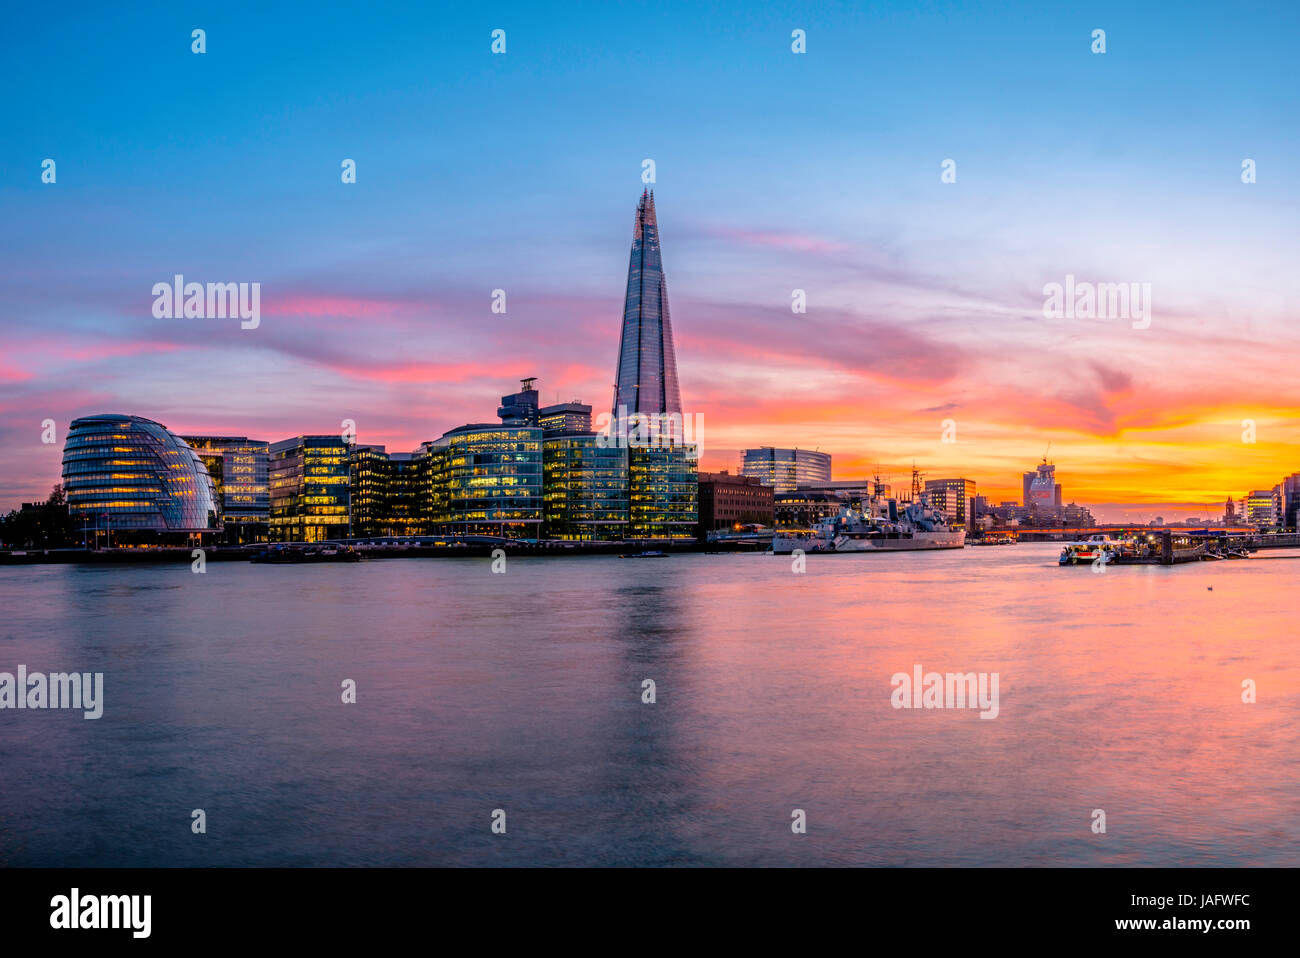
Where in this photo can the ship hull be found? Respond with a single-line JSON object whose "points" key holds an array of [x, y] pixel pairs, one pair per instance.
{"points": [[916, 542]]}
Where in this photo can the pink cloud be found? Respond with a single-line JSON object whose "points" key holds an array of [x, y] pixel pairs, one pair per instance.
{"points": [[106, 350], [325, 305], [12, 374], [776, 239]]}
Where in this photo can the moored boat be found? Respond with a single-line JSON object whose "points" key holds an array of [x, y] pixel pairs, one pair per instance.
{"points": [[1089, 549], [284, 554]]}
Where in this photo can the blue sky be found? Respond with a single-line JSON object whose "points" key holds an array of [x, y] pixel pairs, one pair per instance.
{"points": [[774, 171]]}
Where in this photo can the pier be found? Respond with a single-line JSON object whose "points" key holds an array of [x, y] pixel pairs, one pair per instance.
{"points": [[1169, 547]]}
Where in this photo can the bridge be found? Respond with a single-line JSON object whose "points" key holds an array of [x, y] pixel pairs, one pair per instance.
{"points": [[1059, 533]]}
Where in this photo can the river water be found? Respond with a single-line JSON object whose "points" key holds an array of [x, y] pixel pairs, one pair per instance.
{"points": [[523, 692]]}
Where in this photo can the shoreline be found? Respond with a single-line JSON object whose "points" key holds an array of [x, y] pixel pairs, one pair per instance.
{"points": [[186, 554]]}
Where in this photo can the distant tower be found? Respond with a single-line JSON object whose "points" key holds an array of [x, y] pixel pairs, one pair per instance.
{"points": [[647, 364]]}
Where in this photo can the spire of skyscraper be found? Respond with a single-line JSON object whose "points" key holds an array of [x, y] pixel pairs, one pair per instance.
{"points": [[647, 363]]}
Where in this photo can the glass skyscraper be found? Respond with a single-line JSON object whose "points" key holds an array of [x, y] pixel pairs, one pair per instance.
{"points": [[647, 363]]}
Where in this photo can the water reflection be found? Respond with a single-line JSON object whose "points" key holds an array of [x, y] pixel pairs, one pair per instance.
{"points": [[523, 691]]}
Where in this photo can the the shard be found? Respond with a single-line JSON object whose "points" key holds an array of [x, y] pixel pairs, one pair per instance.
{"points": [[647, 364]]}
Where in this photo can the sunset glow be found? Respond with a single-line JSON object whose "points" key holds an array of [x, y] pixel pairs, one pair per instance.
{"points": [[924, 299]]}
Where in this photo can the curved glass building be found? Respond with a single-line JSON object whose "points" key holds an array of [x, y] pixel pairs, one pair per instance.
{"points": [[487, 480], [127, 475]]}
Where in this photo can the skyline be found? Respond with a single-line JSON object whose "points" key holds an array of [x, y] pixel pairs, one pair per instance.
{"points": [[923, 298]]}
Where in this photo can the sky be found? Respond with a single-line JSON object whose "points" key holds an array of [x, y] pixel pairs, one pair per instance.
{"points": [[774, 171]]}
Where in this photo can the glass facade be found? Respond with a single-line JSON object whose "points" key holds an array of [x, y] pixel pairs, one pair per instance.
{"points": [[663, 491], [585, 488], [487, 480], [135, 480], [564, 418], [953, 498], [390, 493], [309, 489], [428, 480], [370, 472], [238, 467], [647, 362], [1263, 508], [407, 506], [786, 469]]}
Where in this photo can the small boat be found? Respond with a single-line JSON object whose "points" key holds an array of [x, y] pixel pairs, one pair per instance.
{"points": [[278, 556], [1089, 550], [281, 554], [648, 554]]}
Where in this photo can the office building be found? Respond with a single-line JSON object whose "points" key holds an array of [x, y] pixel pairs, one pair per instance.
{"points": [[239, 470], [370, 481], [727, 501], [407, 507], [803, 508], [1263, 508], [130, 480], [1290, 490], [309, 480], [663, 491], [951, 497], [786, 469], [567, 418], [521, 408], [584, 488], [486, 479]]}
